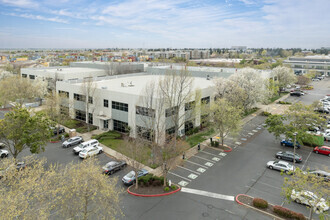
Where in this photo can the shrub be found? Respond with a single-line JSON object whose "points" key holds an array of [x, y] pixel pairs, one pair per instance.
{"points": [[298, 216], [166, 189], [260, 203], [264, 113], [66, 135], [196, 130], [284, 212], [212, 143], [284, 103], [216, 143], [173, 187]]}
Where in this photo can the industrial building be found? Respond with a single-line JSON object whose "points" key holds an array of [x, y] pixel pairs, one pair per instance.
{"points": [[301, 65]]}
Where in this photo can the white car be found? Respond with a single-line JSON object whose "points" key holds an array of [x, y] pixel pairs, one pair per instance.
{"points": [[3, 153], [280, 165], [315, 79], [84, 145], [310, 199], [326, 136], [90, 151]]}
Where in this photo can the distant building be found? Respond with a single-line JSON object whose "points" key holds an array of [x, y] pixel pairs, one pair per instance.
{"points": [[239, 48], [301, 65]]}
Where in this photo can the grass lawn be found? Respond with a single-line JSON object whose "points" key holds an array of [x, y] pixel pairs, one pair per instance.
{"points": [[250, 111], [114, 140], [80, 126], [200, 137], [273, 99]]}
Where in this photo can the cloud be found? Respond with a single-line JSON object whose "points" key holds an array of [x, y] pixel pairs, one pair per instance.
{"points": [[248, 2], [20, 3], [39, 17]]}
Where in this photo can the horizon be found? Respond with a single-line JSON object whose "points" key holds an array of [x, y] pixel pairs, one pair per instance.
{"points": [[151, 24]]}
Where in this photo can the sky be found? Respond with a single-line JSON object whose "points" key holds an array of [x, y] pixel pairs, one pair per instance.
{"points": [[164, 23]]}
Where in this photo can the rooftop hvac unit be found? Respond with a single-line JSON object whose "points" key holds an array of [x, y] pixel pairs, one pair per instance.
{"points": [[104, 87]]}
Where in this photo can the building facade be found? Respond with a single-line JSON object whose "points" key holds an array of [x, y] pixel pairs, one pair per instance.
{"points": [[301, 65]]}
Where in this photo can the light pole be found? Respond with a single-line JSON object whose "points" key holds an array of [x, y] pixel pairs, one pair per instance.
{"points": [[294, 150]]}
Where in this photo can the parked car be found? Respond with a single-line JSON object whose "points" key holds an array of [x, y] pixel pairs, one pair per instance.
{"points": [[280, 165], [85, 144], [315, 79], [2, 145], [322, 110], [19, 166], [60, 130], [289, 143], [4, 153], [320, 174], [310, 199], [322, 150], [129, 178], [73, 141], [296, 93], [288, 155], [326, 136], [113, 166], [90, 151]]}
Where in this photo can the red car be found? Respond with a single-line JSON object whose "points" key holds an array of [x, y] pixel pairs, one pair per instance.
{"points": [[322, 150]]}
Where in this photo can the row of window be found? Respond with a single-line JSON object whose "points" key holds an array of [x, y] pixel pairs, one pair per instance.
{"points": [[120, 126], [79, 97], [63, 93], [145, 111], [120, 106]]}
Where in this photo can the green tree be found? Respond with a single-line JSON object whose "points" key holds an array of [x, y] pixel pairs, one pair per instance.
{"points": [[20, 130], [305, 181], [225, 117], [296, 120]]}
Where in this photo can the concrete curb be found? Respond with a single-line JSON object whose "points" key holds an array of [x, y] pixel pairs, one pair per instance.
{"points": [[156, 195]]}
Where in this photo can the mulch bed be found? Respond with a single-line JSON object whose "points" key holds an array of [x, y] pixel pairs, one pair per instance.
{"points": [[150, 190], [220, 147]]}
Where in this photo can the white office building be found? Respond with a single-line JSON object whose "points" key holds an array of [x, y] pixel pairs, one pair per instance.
{"points": [[117, 103], [301, 65]]}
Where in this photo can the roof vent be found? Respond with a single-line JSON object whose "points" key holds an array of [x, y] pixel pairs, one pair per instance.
{"points": [[104, 87]]}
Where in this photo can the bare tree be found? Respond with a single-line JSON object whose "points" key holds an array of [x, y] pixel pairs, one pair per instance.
{"points": [[88, 88], [284, 76], [110, 69]]}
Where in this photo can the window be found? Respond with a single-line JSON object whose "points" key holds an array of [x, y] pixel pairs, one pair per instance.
{"points": [[120, 126], [170, 130], [90, 100], [105, 103], [90, 118], [105, 124], [24, 75], [64, 110], [145, 133], [79, 97], [205, 100], [32, 76], [63, 93], [171, 111], [188, 126], [120, 106], [80, 115], [189, 106], [145, 111]]}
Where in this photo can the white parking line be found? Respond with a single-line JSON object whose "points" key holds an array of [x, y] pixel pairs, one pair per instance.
{"points": [[208, 194], [208, 153], [189, 170], [203, 158], [196, 164], [266, 184], [179, 176], [306, 159]]}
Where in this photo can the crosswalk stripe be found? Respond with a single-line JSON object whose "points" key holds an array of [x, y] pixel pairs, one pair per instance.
{"points": [[208, 194]]}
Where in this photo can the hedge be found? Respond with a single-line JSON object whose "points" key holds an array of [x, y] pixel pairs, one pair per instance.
{"points": [[260, 203], [287, 213]]}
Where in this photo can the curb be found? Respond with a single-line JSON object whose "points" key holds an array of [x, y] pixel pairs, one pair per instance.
{"points": [[230, 149], [156, 195], [251, 207], [54, 142]]}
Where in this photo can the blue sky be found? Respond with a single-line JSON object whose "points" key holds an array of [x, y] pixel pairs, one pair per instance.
{"points": [[166, 23]]}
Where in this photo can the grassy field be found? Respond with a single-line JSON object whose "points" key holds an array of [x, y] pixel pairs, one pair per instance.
{"points": [[80, 126]]}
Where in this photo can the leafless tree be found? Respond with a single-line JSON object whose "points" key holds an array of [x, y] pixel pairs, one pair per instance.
{"points": [[88, 88]]}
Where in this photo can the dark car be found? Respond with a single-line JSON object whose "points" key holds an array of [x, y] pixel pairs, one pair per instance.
{"points": [[60, 130], [72, 141], [113, 166], [322, 110], [289, 143], [288, 155], [296, 93], [129, 178]]}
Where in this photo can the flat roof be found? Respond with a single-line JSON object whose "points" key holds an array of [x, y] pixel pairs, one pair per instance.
{"points": [[68, 70], [135, 85]]}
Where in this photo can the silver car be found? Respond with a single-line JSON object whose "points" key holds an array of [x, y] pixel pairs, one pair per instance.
{"points": [[72, 141], [280, 165]]}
